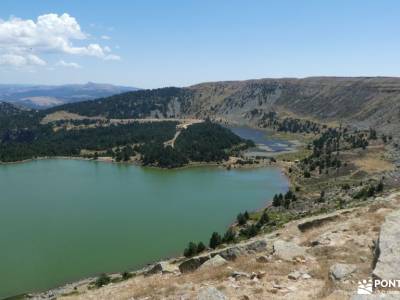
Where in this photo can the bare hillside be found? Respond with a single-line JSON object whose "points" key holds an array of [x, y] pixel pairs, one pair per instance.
{"points": [[365, 101]]}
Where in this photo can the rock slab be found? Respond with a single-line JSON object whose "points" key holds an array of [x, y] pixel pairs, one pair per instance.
{"points": [[341, 271], [193, 263], [387, 253], [162, 267], [214, 262], [315, 221], [288, 250]]}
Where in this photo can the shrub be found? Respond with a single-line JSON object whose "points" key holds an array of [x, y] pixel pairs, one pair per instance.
{"points": [[103, 279], [250, 231], [345, 187], [379, 187], [126, 275]]}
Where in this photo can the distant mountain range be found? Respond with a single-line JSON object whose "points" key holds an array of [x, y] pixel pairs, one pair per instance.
{"points": [[45, 96]]}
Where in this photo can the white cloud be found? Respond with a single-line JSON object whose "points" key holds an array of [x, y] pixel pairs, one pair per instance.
{"points": [[105, 37], [21, 60], [22, 41], [63, 63], [112, 57]]}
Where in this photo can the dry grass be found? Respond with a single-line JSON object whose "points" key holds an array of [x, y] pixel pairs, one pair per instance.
{"points": [[373, 161], [64, 116]]}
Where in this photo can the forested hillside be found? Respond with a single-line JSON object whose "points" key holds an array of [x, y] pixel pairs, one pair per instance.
{"points": [[23, 136], [165, 102]]}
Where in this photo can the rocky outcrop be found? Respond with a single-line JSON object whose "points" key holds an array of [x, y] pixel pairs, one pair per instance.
{"points": [[288, 250], [193, 263], [311, 222], [256, 246], [388, 248], [231, 253], [162, 267]]}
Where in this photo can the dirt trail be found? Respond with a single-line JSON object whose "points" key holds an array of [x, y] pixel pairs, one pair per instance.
{"points": [[185, 123]]}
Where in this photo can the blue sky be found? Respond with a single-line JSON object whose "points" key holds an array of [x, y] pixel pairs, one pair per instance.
{"points": [[153, 44]]}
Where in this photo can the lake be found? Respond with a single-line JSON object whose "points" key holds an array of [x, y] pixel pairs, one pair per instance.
{"points": [[265, 145], [63, 220]]}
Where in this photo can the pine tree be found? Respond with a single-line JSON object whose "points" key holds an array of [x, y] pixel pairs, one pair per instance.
{"points": [[200, 247], [264, 219], [229, 236], [276, 201], [215, 240], [190, 250], [241, 219]]}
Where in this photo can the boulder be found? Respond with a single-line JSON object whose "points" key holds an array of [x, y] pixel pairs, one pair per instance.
{"points": [[210, 293], [341, 271], [262, 259], [213, 262], [288, 250], [238, 274], [162, 267], [256, 246], [193, 263], [315, 221], [387, 253], [231, 253], [294, 275]]}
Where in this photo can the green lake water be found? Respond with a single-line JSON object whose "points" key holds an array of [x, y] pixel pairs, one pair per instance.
{"points": [[63, 220]]}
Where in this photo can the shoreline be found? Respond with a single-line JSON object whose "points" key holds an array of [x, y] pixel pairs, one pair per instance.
{"points": [[107, 159]]}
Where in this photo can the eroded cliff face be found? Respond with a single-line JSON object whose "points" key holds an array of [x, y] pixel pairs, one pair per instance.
{"points": [[365, 102]]}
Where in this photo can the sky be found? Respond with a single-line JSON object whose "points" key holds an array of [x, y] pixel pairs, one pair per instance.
{"points": [[151, 44]]}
